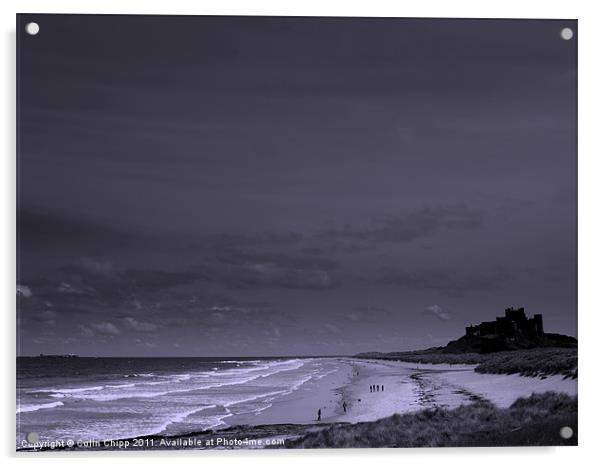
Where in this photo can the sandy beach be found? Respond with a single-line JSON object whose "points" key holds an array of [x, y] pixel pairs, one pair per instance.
{"points": [[331, 383], [407, 387]]}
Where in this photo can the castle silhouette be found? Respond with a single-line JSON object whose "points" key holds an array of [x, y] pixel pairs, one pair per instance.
{"points": [[513, 331], [514, 323]]}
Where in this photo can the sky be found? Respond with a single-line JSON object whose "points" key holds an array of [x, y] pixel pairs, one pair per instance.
{"points": [[253, 186]]}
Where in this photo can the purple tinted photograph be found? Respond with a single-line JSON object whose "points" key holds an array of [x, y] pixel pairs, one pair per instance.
{"points": [[295, 232]]}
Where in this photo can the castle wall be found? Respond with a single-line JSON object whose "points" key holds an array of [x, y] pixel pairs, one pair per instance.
{"points": [[513, 322]]}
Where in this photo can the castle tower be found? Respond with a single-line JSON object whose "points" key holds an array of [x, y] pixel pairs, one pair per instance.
{"points": [[538, 324]]}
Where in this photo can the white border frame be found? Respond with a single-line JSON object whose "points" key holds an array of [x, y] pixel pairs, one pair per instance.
{"points": [[590, 224]]}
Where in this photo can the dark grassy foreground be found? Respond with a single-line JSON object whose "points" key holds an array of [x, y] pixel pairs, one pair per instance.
{"points": [[532, 362], [534, 421]]}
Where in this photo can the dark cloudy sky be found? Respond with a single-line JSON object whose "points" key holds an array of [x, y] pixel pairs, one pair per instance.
{"points": [[211, 186]]}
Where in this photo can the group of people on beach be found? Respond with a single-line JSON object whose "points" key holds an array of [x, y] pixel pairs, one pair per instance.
{"points": [[377, 388]]}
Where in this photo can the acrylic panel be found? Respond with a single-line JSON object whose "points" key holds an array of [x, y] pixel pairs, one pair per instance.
{"points": [[286, 232]]}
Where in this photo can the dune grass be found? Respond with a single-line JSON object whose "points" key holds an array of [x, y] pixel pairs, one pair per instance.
{"points": [[533, 363], [533, 421], [539, 362]]}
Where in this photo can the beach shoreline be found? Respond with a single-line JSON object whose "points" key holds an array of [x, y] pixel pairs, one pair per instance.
{"points": [[408, 388]]}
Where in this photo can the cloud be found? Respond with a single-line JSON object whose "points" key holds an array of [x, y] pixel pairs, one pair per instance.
{"points": [[105, 328], [139, 326], [438, 312], [67, 288], [419, 223], [225, 240], [97, 266], [246, 270], [281, 260], [366, 314], [312, 251], [148, 344], [47, 317], [85, 331], [43, 230], [332, 328], [219, 313], [152, 279], [447, 284], [98, 287], [47, 314], [24, 291], [272, 333], [272, 275]]}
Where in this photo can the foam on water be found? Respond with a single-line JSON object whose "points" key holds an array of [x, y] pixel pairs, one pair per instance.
{"points": [[156, 402], [197, 381], [31, 408]]}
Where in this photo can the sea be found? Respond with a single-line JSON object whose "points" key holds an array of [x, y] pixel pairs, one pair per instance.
{"points": [[87, 399]]}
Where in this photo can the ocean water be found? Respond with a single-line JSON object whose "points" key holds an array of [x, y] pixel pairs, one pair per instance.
{"points": [[115, 398]]}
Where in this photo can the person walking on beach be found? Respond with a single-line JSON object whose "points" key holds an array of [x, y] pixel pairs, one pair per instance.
{"points": [[370, 388], [382, 388], [319, 414], [344, 407]]}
